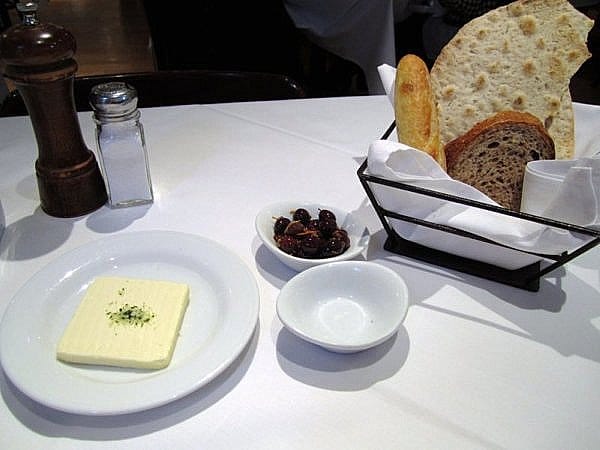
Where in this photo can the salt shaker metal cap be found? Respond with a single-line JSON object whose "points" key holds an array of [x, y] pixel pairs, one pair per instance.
{"points": [[113, 100]]}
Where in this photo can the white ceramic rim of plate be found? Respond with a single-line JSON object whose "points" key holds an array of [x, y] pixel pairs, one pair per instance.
{"points": [[203, 261]]}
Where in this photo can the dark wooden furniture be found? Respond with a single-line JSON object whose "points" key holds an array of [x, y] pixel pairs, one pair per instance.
{"points": [[181, 87]]}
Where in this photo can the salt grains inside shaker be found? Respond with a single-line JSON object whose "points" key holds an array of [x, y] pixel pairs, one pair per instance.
{"points": [[121, 144]]}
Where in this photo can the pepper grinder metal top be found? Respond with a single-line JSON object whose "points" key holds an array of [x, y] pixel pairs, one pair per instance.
{"points": [[39, 60]]}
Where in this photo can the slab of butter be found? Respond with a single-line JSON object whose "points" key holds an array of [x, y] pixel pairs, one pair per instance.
{"points": [[126, 323]]}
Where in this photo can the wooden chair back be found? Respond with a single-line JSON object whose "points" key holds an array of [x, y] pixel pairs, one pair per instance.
{"points": [[181, 87]]}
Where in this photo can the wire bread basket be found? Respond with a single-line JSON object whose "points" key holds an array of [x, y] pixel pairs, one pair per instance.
{"points": [[527, 277]]}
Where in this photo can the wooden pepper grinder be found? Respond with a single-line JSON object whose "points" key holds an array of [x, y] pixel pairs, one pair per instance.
{"points": [[39, 60]]}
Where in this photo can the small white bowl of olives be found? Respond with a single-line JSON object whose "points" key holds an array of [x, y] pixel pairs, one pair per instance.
{"points": [[303, 235]]}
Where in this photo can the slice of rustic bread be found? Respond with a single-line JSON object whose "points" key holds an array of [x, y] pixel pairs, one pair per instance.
{"points": [[492, 155], [517, 57]]}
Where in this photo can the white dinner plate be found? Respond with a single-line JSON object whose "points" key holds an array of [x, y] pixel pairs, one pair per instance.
{"points": [[219, 322]]}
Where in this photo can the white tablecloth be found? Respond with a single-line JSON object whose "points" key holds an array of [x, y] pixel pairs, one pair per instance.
{"points": [[476, 364]]}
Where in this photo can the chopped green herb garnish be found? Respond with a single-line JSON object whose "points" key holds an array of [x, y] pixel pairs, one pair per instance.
{"points": [[131, 315]]}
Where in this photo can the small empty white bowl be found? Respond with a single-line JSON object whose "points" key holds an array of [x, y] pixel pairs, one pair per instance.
{"points": [[265, 219], [344, 307]]}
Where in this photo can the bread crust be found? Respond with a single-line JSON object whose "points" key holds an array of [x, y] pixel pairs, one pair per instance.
{"points": [[454, 148], [415, 109], [492, 155]]}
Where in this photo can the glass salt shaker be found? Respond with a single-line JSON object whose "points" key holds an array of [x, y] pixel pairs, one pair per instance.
{"points": [[121, 144]]}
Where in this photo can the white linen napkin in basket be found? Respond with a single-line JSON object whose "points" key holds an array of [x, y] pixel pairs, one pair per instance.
{"points": [[567, 190], [396, 161]]}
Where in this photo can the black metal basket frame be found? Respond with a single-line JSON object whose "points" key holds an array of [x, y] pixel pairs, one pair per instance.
{"points": [[527, 277]]}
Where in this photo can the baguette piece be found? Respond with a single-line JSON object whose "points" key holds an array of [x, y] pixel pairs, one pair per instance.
{"points": [[415, 110], [519, 57], [493, 154]]}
